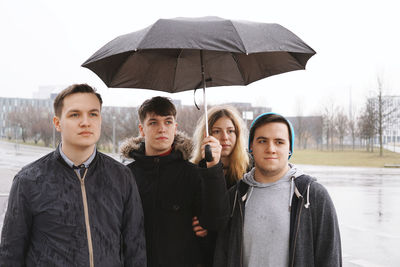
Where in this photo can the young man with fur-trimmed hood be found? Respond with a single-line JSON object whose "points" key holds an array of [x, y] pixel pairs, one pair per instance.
{"points": [[172, 189], [279, 215]]}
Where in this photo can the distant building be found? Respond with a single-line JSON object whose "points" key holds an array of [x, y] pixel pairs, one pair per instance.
{"points": [[391, 130], [10, 105]]}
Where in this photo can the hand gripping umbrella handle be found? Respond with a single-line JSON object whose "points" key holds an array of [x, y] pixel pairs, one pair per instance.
{"points": [[208, 153]]}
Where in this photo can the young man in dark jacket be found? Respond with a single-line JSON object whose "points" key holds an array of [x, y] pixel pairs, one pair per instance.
{"points": [[279, 215], [172, 189], [74, 206]]}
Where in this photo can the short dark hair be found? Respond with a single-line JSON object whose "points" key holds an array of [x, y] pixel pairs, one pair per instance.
{"points": [[158, 105], [70, 90], [268, 118]]}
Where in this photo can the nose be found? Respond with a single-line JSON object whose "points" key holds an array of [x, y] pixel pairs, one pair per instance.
{"points": [[270, 148], [224, 135], [85, 122], [162, 128]]}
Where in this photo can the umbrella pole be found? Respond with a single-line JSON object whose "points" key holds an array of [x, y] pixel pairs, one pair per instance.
{"points": [[207, 148], [204, 91]]}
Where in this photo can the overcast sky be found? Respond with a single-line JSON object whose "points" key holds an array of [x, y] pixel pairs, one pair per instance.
{"points": [[44, 42]]}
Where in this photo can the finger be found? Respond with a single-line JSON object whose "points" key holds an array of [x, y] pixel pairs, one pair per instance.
{"points": [[198, 228], [202, 233], [195, 223]]}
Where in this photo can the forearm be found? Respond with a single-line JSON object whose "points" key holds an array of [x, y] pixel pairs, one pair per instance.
{"points": [[214, 198]]}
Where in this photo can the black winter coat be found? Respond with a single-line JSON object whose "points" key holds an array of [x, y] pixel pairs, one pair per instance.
{"points": [[174, 190], [45, 221], [314, 231]]}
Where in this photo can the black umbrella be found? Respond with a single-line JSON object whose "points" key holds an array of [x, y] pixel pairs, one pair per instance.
{"points": [[179, 54]]}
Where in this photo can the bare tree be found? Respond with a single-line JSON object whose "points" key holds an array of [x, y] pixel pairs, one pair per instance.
{"points": [[352, 124], [367, 124], [329, 125], [341, 123], [187, 118]]}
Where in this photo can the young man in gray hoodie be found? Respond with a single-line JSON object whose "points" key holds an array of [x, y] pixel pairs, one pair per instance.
{"points": [[279, 215]]}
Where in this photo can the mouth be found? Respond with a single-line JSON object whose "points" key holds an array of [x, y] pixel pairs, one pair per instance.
{"points": [[162, 138], [85, 133]]}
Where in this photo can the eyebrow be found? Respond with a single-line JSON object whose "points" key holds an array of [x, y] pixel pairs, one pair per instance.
{"points": [[265, 138], [229, 127], [78, 110]]}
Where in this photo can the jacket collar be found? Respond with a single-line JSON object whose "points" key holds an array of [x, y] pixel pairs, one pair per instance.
{"points": [[58, 157], [134, 146]]}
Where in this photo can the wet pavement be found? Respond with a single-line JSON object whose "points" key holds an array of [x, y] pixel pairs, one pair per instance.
{"points": [[367, 202]]}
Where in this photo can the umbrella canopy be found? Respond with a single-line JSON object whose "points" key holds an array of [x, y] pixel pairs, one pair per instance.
{"points": [[166, 55]]}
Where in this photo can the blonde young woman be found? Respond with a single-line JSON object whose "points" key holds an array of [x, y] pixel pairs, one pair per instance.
{"points": [[226, 125]]}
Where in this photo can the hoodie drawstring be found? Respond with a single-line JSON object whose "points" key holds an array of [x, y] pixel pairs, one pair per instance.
{"points": [[293, 189], [291, 192], [248, 195], [307, 205]]}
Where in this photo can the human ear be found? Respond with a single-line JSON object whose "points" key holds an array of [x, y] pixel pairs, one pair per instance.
{"points": [[141, 130], [56, 122]]}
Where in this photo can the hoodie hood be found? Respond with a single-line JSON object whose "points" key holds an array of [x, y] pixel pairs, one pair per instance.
{"points": [[293, 172], [182, 143], [290, 176]]}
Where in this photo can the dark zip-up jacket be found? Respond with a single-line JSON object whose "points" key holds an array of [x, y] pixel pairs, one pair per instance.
{"points": [[314, 230], [173, 190], [50, 223]]}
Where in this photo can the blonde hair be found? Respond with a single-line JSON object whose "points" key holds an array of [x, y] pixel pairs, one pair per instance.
{"points": [[238, 159]]}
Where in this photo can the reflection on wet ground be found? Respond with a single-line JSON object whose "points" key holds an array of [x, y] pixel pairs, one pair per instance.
{"points": [[367, 202]]}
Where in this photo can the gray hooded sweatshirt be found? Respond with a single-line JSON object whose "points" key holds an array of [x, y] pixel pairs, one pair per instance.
{"points": [[267, 220]]}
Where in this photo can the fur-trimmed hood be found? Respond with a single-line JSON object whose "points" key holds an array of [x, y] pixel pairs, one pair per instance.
{"points": [[182, 143]]}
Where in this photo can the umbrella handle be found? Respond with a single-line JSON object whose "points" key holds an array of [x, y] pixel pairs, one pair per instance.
{"points": [[208, 153]]}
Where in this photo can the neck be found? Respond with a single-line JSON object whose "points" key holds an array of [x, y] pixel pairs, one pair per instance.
{"points": [[265, 177], [225, 161], [77, 155]]}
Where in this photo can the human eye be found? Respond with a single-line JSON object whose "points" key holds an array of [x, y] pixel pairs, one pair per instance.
{"points": [[231, 131], [168, 122], [74, 115], [94, 114], [215, 131]]}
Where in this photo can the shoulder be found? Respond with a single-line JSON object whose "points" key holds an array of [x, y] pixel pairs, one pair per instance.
{"points": [[111, 163], [37, 168]]}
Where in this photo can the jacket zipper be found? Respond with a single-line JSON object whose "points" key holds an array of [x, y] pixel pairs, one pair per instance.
{"points": [[241, 243], [297, 231], [85, 208]]}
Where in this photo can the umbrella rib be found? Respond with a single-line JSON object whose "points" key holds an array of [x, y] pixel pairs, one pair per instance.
{"points": [[238, 67], [241, 40], [176, 68]]}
